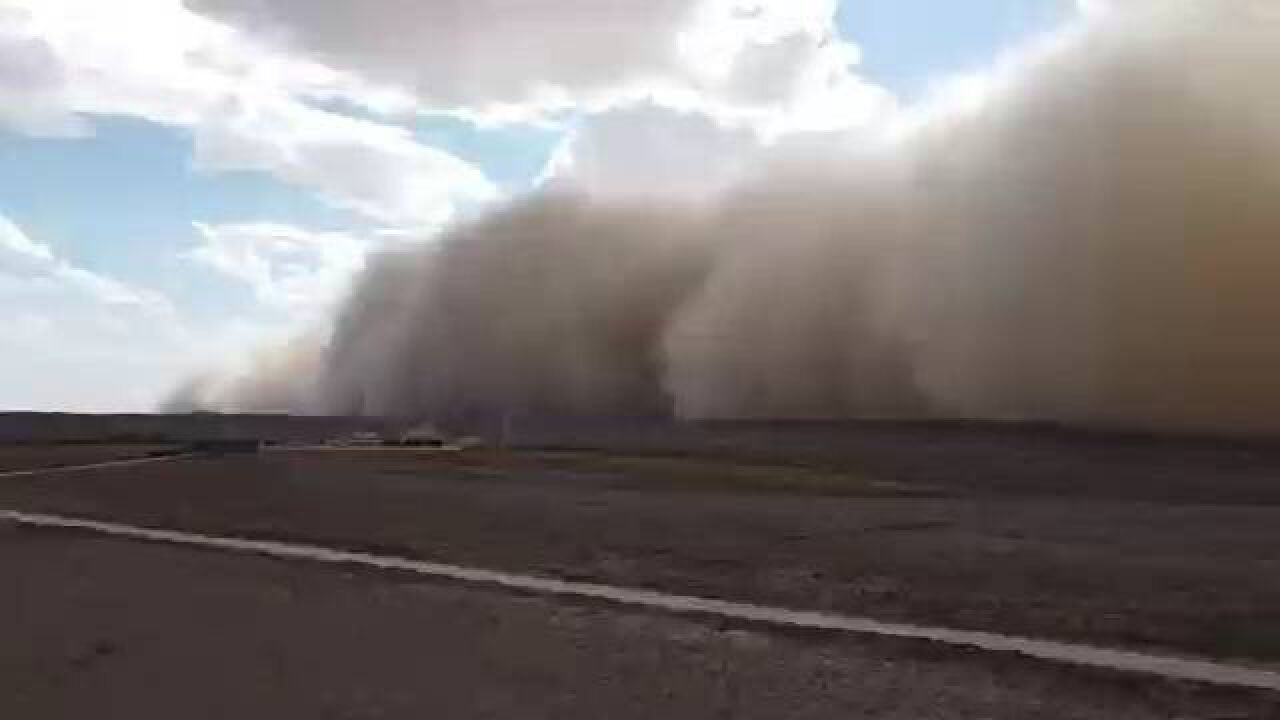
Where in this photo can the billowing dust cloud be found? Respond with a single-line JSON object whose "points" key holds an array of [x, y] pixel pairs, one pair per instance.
{"points": [[1093, 238]]}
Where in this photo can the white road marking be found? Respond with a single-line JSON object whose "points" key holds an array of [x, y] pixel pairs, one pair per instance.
{"points": [[1207, 671], [90, 466]]}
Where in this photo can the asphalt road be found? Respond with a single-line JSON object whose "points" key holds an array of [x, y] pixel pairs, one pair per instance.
{"points": [[104, 628], [1202, 579]]}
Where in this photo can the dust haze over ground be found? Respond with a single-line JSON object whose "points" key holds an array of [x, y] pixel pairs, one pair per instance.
{"points": [[1090, 236]]}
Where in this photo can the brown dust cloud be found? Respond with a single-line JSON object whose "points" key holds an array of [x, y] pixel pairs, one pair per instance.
{"points": [[1090, 234]]}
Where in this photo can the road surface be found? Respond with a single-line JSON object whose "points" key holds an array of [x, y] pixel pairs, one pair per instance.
{"points": [[109, 627]]}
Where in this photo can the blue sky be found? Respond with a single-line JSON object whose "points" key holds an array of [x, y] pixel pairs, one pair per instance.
{"points": [[220, 213], [908, 43]]}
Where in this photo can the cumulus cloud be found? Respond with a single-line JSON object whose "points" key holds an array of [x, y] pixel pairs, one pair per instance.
{"points": [[777, 64], [456, 53], [248, 108], [649, 150], [1086, 235], [287, 268]]}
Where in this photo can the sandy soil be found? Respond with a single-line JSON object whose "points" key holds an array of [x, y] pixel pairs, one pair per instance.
{"points": [[1143, 572], [104, 628]]}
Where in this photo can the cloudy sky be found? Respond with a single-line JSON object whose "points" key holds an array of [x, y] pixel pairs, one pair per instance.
{"points": [[183, 182]]}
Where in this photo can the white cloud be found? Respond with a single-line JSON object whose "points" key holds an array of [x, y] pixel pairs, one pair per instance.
{"points": [[288, 268], [245, 89], [377, 170], [31, 82], [458, 53], [248, 108], [1093, 7], [80, 358], [20, 254], [669, 96], [649, 150], [776, 64], [29, 267], [80, 340]]}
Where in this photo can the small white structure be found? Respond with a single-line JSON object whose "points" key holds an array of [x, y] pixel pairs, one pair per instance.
{"points": [[362, 438], [425, 434], [365, 438]]}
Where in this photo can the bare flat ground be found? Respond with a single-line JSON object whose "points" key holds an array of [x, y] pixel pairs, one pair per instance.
{"points": [[1186, 566], [32, 457], [1202, 578], [104, 628]]}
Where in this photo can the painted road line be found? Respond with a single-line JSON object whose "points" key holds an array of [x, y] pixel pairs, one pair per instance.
{"points": [[1200, 670], [90, 466]]}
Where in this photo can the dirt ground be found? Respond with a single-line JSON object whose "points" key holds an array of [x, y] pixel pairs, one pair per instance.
{"points": [[106, 628], [1137, 568], [31, 457]]}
